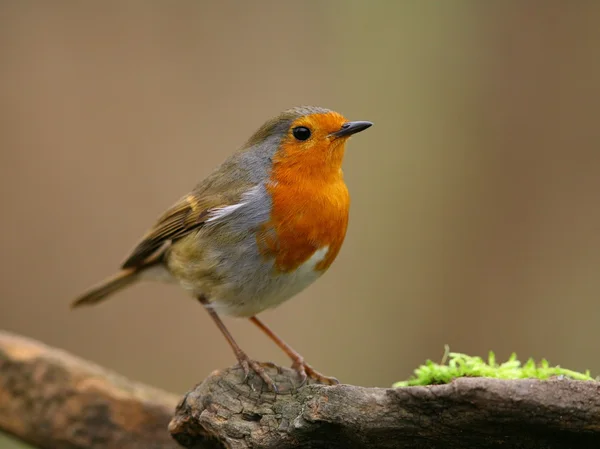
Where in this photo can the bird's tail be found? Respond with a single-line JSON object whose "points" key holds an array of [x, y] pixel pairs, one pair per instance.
{"points": [[106, 288]]}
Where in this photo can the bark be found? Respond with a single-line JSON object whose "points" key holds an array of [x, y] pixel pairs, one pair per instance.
{"points": [[54, 400], [475, 413]]}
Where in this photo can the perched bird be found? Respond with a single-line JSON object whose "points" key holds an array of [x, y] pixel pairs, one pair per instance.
{"points": [[262, 227]]}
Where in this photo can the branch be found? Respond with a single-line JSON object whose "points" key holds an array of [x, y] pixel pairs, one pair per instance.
{"points": [[54, 400], [469, 413]]}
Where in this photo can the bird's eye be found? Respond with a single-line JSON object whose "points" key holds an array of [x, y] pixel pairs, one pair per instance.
{"points": [[301, 133]]}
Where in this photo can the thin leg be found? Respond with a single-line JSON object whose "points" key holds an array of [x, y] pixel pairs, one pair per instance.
{"points": [[245, 362], [303, 368]]}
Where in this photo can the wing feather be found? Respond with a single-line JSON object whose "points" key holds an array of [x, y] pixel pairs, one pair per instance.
{"points": [[181, 219]]}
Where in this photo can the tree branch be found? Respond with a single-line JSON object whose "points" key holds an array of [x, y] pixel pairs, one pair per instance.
{"points": [[475, 413], [54, 400]]}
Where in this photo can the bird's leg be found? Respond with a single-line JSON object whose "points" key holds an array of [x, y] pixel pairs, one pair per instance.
{"points": [[245, 362], [303, 369]]}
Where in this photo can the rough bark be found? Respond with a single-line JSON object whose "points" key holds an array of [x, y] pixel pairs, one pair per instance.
{"points": [[54, 400], [472, 413]]}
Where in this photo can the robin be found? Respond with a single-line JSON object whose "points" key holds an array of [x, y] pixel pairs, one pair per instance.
{"points": [[262, 227]]}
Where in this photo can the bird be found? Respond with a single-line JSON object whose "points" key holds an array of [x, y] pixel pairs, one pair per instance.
{"points": [[263, 226]]}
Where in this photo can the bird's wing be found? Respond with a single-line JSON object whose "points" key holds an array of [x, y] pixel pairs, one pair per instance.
{"points": [[187, 214]]}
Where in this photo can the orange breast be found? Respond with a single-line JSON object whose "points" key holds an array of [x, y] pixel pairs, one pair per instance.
{"points": [[307, 215]]}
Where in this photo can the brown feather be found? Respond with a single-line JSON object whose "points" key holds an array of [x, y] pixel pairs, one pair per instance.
{"points": [[106, 288], [185, 216]]}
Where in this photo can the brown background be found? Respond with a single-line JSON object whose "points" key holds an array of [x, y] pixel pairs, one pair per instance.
{"points": [[475, 219]]}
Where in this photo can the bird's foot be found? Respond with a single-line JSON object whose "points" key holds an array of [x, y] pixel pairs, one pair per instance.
{"points": [[305, 371], [249, 365]]}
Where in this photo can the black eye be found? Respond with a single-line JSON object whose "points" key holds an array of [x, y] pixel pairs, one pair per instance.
{"points": [[301, 133]]}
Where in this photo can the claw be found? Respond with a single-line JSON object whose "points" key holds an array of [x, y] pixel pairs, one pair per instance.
{"points": [[306, 371], [273, 365], [246, 368], [258, 369], [250, 365], [299, 367]]}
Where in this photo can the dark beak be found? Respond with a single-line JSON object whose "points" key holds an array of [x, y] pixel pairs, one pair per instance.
{"points": [[350, 128]]}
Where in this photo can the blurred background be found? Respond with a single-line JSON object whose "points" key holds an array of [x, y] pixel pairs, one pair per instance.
{"points": [[475, 219]]}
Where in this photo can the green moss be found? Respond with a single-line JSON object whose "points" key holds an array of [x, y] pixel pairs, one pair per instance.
{"points": [[462, 365]]}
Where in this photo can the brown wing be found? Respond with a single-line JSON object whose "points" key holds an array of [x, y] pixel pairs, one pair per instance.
{"points": [[185, 216]]}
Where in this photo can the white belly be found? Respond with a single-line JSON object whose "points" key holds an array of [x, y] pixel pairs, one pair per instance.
{"points": [[279, 288]]}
